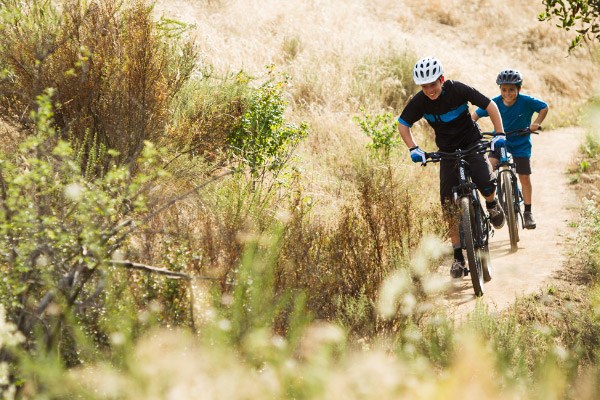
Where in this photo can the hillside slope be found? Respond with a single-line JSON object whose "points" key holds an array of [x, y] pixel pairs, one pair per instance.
{"points": [[321, 41], [322, 44]]}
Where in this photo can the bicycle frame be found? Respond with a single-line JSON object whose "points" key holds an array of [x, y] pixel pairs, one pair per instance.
{"points": [[509, 196], [474, 224], [467, 188]]}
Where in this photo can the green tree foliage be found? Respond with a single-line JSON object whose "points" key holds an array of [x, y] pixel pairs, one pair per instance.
{"points": [[580, 15], [115, 69]]}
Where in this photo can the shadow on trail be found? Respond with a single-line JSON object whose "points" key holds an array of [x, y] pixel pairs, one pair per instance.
{"points": [[460, 291], [499, 248]]}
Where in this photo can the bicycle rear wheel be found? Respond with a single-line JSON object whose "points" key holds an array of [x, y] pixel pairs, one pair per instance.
{"points": [[469, 229], [508, 203]]}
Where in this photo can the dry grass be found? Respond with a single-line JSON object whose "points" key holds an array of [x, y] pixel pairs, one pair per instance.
{"points": [[251, 34], [113, 67], [326, 48], [341, 57], [350, 217], [335, 225]]}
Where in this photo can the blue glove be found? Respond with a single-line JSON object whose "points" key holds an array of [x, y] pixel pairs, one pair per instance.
{"points": [[498, 141], [417, 155]]}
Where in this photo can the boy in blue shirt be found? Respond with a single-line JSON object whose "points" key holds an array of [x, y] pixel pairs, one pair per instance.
{"points": [[517, 110]]}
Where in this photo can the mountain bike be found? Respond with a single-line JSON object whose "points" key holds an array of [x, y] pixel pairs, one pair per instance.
{"points": [[474, 224], [508, 190]]}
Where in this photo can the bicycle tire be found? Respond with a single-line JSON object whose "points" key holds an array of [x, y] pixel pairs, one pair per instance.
{"points": [[483, 233], [509, 209], [468, 224], [517, 200]]}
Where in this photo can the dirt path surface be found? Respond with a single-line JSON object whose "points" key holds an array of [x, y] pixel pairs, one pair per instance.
{"points": [[542, 251]]}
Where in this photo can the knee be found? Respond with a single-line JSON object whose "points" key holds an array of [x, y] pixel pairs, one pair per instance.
{"points": [[489, 190]]}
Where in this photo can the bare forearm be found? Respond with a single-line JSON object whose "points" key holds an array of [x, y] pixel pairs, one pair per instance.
{"points": [[492, 110], [540, 118], [406, 136]]}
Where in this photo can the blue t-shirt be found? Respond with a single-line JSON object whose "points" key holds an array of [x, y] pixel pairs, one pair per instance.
{"points": [[514, 117]]}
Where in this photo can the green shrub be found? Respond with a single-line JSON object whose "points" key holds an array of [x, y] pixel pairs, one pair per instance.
{"points": [[264, 142], [381, 129], [591, 146], [59, 234], [205, 112]]}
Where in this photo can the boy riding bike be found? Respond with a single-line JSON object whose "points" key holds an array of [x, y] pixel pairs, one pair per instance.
{"points": [[517, 109], [444, 105]]}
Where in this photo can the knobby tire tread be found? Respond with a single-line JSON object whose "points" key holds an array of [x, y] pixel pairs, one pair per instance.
{"points": [[467, 220], [486, 265]]}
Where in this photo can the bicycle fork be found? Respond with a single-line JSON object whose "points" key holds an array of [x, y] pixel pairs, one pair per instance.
{"points": [[506, 164]]}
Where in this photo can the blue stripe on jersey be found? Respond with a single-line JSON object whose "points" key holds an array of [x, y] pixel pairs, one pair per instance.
{"points": [[403, 122], [449, 116]]}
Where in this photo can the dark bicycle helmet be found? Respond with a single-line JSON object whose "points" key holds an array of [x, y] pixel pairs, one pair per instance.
{"points": [[509, 76]]}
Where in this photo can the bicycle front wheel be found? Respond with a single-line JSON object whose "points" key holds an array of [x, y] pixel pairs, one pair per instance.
{"points": [[482, 232], [469, 229], [508, 197]]}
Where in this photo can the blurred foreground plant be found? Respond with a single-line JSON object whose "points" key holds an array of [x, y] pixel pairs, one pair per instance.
{"points": [[59, 234]]}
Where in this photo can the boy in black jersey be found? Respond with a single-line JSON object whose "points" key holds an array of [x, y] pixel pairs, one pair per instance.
{"points": [[444, 105]]}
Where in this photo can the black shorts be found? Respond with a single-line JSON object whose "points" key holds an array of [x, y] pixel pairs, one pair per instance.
{"points": [[522, 164], [481, 173]]}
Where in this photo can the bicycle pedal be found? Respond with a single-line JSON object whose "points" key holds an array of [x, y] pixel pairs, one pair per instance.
{"points": [[465, 271]]}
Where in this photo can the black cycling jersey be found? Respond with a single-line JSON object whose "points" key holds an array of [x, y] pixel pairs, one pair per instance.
{"points": [[448, 115]]}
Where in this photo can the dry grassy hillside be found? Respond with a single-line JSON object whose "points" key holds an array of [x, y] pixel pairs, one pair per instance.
{"points": [[322, 44]]}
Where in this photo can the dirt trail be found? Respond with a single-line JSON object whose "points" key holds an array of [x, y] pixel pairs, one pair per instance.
{"points": [[542, 251]]}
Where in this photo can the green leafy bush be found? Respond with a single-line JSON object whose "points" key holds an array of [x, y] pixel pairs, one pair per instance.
{"points": [[205, 112], [59, 234], [264, 141], [381, 128]]}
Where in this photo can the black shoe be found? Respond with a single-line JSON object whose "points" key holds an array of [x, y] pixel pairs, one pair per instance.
{"points": [[457, 269], [528, 221], [496, 215]]}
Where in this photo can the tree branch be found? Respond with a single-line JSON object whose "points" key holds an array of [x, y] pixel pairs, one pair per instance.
{"points": [[157, 270]]}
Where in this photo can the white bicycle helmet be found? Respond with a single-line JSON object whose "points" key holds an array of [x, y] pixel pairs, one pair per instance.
{"points": [[427, 70]]}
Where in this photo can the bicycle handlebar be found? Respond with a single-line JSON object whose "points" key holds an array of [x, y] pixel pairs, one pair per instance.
{"points": [[437, 156], [517, 132]]}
